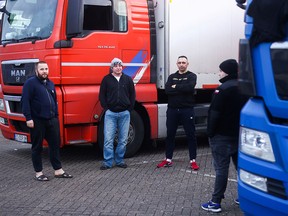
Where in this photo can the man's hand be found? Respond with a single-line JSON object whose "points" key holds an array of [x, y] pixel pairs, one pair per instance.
{"points": [[30, 123]]}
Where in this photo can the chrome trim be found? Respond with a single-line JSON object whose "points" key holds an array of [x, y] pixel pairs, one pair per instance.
{"points": [[22, 61], [12, 98], [8, 98], [90, 64], [77, 142]]}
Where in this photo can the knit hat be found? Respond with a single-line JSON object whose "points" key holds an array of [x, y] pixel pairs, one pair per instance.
{"points": [[116, 61], [229, 66]]}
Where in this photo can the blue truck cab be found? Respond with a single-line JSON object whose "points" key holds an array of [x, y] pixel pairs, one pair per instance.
{"points": [[263, 140]]}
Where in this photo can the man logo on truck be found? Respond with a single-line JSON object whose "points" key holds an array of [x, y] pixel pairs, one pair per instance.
{"points": [[17, 73]]}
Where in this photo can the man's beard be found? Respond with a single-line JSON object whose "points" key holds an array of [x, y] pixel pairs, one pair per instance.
{"points": [[41, 77]]}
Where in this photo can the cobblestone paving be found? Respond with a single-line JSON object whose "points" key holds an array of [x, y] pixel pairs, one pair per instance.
{"points": [[139, 190]]}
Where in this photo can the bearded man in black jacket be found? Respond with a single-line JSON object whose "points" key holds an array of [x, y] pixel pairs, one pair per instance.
{"points": [[223, 129], [39, 106]]}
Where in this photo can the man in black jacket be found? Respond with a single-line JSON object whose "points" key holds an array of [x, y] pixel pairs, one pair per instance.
{"points": [[180, 90], [39, 106], [117, 97], [223, 129]]}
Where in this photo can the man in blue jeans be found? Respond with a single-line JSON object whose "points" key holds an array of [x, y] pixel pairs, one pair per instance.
{"points": [[117, 97], [223, 129]]}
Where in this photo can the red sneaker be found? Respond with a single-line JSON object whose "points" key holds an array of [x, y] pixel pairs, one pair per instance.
{"points": [[164, 163], [194, 166]]}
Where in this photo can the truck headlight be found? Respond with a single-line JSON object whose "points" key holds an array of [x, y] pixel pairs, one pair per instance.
{"points": [[256, 143], [253, 180], [2, 105]]}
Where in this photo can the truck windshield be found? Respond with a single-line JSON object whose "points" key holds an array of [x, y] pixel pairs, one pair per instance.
{"points": [[26, 20]]}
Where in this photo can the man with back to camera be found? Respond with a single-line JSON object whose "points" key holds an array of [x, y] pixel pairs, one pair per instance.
{"points": [[39, 106], [180, 90], [223, 129]]}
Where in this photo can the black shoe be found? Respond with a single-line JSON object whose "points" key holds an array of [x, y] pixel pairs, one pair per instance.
{"points": [[41, 178], [104, 167], [64, 175], [122, 165]]}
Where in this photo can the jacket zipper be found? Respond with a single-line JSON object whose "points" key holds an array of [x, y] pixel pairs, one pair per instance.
{"points": [[49, 97]]}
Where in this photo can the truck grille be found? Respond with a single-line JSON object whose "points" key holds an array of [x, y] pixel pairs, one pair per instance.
{"points": [[279, 63], [276, 188], [16, 72], [20, 126], [15, 107]]}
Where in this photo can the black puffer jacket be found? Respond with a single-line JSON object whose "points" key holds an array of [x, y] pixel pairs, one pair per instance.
{"points": [[224, 111], [269, 17]]}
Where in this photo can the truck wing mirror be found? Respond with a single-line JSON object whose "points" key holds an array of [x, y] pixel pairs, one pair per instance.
{"points": [[240, 4], [10, 16]]}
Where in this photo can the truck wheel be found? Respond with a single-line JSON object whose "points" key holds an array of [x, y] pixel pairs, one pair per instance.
{"points": [[135, 135]]}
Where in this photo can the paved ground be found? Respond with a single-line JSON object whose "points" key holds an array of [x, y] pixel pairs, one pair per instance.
{"points": [[139, 190]]}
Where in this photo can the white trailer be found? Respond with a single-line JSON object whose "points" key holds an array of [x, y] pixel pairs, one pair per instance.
{"points": [[205, 31]]}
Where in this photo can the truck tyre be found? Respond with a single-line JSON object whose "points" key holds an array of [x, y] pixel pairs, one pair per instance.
{"points": [[135, 135]]}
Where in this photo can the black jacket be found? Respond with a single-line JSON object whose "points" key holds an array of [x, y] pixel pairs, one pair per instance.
{"points": [[224, 110], [117, 96], [39, 99], [269, 19], [183, 95]]}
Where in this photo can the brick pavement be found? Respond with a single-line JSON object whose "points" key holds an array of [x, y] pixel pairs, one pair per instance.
{"points": [[139, 190]]}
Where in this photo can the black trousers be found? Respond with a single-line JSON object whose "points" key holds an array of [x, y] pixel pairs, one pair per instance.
{"points": [[50, 131], [176, 117]]}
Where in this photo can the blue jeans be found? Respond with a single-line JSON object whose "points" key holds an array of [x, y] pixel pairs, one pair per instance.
{"points": [[223, 147], [115, 122]]}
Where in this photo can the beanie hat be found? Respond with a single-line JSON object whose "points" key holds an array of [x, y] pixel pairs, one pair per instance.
{"points": [[116, 61], [229, 66]]}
